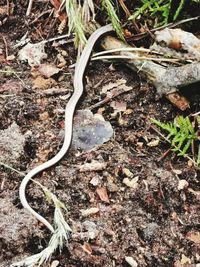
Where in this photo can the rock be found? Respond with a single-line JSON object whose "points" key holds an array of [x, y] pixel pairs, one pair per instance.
{"points": [[90, 130], [131, 261]]}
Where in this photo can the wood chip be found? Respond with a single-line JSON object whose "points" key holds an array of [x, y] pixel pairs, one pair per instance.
{"points": [[193, 236], [131, 183], [102, 193], [127, 172], [89, 212], [87, 248], [182, 184], [55, 263], [93, 166], [131, 261]]}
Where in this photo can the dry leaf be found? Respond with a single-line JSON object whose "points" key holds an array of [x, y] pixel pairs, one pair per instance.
{"points": [[178, 39], [118, 106], [89, 212], [194, 236], [48, 70], [95, 181], [87, 248], [12, 86], [10, 58], [185, 260], [42, 83], [33, 53], [111, 85], [102, 193]]}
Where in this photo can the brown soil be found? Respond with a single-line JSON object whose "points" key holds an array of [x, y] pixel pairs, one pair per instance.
{"points": [[150, 223]]}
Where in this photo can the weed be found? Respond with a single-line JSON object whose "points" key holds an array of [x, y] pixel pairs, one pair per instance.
{"points": [[58, 238], [159, 10], [181, 135]]}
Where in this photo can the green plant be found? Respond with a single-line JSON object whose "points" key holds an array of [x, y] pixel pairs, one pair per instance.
{"points": [[75, 23], [79, 16], [181, 134], [159, 10], [58, 238], [109, 7]]}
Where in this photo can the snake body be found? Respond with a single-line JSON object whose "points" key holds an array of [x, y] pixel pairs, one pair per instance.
{"points": [[69, 112]]}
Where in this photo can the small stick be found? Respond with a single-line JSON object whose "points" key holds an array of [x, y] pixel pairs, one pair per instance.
{"points": [[6, 46], [109, 98], [165, 154], [28, 12]]}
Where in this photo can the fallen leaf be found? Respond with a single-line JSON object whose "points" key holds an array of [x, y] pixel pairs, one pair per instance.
{"points": [[89, 212], [185, 260], [178, 39], [118, 106], [12, 86], [177, 172], [95, 181], [48, 70], [33, 53], [44, 116], [87, 248], [10, 58], [42, 83], [102, 193], [193, 236], [112, 85]]}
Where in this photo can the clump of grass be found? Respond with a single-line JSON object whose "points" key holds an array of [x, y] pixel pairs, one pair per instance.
{"points": [[80, 15], [182, 135], [109, 8], [75, 23], [58, 238]]}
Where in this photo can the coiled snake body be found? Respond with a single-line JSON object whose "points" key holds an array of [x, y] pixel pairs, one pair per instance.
{"points": [[69, 112]]}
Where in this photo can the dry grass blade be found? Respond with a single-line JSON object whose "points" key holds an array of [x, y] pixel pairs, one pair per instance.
{"points": [[59, 237]]}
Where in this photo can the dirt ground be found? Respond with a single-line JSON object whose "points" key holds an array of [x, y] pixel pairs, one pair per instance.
{"points": [[153, 220]]}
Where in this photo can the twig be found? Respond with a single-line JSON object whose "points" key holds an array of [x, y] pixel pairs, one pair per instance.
{"points": [[109, 98], [170, 25], [40, 15], [165, 154], [137, 58], [28, 12], [128, 49], [6, 46]]}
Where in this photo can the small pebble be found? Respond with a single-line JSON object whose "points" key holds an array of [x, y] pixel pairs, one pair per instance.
{"points": [[131, 261]]}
